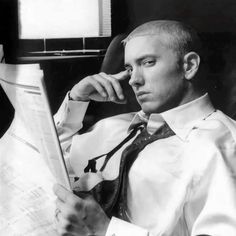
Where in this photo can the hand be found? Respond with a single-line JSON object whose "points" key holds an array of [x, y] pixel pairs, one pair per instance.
{"points": [[100, 87], [78, 216]]}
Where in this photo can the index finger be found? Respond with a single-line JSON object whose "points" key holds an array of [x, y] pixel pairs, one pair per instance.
{"points": [[121, 75]]}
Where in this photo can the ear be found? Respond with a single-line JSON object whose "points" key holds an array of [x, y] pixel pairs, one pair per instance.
{"points": [[191, 64]]}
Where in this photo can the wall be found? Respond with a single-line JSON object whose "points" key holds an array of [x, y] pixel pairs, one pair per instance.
{"points": [[204, 15]]}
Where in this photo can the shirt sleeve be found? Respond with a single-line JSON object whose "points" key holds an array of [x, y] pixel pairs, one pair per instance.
{"points": [[216, 194], [68, 121], [119, 227]]}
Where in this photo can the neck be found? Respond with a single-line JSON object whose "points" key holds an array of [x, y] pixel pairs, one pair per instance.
{"points": [[192, 95]]}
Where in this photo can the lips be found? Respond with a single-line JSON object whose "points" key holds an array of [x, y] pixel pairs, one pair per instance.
{"points": [[141, 94]]}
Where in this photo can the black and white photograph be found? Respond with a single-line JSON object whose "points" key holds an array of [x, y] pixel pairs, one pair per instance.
{"points": [[117, 118]]}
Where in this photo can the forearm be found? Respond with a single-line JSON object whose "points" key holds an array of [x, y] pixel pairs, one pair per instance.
{"points": [[69, 120]]}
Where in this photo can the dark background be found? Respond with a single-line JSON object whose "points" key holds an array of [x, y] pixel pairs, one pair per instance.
{"points": [[214, 20]]}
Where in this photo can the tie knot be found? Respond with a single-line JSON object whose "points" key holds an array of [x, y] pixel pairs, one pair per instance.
{"points": [[164, 131], [145, 138]]}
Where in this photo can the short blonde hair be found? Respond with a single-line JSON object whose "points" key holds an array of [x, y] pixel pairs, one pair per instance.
{"points": [[182, 38]]}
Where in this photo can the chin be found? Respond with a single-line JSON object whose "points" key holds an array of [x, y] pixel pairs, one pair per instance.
{"points": [[153, 107], [148, 109]]}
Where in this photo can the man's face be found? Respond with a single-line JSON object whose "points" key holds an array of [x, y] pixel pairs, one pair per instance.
{"points": [[156, 76]]}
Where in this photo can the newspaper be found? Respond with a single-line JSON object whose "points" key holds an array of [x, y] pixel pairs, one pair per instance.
{"points": [[25, 89], [27, 203], [31, 160]]}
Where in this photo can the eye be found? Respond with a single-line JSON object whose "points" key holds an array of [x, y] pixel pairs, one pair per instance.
{"points": [[149, 62]]}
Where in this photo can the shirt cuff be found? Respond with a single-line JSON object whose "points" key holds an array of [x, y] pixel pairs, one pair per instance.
{"points": [[70, 111], [119, 227]]}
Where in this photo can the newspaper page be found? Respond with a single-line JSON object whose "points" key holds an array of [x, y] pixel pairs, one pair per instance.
{"points": [[27, 203], [26, 90]]}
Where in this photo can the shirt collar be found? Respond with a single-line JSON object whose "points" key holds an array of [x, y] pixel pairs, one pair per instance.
{"points": [[181, 119]]}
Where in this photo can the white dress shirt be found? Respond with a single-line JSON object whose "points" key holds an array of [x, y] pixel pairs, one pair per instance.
{"points": [[179, 186]]}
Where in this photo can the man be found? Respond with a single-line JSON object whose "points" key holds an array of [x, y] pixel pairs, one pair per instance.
{"points": [[179, 185]]}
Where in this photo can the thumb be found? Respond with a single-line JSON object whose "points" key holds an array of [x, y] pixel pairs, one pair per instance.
{"points": [[121, 75]]}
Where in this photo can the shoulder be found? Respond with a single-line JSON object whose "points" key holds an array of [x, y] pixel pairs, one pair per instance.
{"points": [[228, 123], [217, 129], [213, 140], [212, 143]]}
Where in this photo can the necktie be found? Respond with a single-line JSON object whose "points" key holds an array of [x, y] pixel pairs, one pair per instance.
{"points": [[129, 155], [112, 194]]}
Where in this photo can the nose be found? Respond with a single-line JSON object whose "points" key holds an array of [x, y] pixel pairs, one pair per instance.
{"points": [[136, 78]]}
